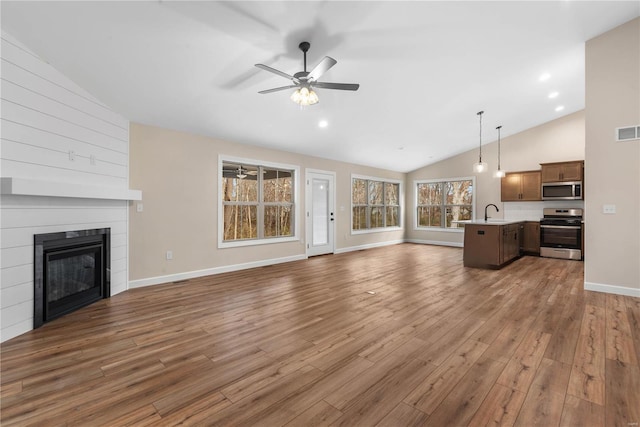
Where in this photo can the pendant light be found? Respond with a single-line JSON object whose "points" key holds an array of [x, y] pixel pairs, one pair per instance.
{"points": [[480, 166], [499, 173]]}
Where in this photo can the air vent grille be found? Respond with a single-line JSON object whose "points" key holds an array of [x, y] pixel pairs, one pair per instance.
{"points": [[627, 133]]}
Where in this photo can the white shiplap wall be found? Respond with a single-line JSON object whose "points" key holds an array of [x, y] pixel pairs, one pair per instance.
{"points": [[45, 116]]}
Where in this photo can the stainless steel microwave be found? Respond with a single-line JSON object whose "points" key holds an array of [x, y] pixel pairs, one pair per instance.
{"points": [[562, 190]]}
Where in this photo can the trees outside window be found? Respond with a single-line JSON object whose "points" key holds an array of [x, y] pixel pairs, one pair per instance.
{"points": [[441, 203], [375, 204], [257, 202]]}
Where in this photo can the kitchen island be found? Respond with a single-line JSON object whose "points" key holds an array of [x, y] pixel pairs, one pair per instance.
{"points": [[491, 243]]}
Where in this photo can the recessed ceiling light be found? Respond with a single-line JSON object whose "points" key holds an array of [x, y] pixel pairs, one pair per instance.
{"points": [[323, 123], [553, 95], [400, 148], [560, 108], [544, 77]]}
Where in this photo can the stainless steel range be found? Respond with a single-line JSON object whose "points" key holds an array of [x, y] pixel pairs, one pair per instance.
{"points": [[561, 233]]}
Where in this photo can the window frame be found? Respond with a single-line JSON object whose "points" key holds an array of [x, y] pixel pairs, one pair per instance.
{"points": [[443, 205], [400, 205], [295, 202]]}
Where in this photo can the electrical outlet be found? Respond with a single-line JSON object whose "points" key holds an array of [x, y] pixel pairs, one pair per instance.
{"points": [[169, 255], [608, 209]]}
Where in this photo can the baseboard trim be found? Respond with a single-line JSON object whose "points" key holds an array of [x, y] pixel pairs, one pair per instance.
{"points": [[612, 289], [435, 242], [369, 246], [139, 283]]}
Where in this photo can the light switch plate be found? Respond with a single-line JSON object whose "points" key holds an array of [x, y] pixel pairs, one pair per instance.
{"points": [[139, 207], [608, 209]]}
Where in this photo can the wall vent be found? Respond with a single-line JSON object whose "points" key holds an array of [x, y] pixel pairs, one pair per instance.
{"points": [[627, 133]]}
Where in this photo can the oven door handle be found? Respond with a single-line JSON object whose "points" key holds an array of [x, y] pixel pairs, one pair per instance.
{"points": [[565, 227]]}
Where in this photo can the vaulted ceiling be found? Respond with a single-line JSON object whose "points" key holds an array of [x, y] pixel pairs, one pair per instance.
{"points": [[424, 68]]}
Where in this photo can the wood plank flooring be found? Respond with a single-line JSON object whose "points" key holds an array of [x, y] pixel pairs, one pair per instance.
{"points": [[306, 344]]}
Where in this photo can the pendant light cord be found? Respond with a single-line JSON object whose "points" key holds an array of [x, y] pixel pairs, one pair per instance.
{"points": [[480, 113], [499, 127]]}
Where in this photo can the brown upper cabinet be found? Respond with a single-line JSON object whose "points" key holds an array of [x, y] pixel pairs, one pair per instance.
{"points": [[562, 171], [520, 186]]}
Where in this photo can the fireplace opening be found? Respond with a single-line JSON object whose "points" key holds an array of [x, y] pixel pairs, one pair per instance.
{"points": [[71, 271]]}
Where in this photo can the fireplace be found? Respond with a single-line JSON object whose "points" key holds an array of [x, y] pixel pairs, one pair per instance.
{"points": [[71, 271]]}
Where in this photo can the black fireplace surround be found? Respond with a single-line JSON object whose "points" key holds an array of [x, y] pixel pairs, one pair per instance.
{"points": [[71, 271]]}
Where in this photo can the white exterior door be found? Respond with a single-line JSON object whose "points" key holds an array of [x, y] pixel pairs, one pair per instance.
{"points": [[320, 213]]}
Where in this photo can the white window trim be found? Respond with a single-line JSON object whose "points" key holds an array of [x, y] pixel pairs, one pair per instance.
{"points": [[296, 203], [429, 181], [400, 204]]}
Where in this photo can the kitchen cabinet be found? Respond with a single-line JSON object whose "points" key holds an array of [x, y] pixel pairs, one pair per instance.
{"points": [[491, 245], [510, 242], [520, 186], [562, 171], [531, 237]]}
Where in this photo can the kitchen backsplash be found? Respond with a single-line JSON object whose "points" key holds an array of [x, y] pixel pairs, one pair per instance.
{"points": [[532, 211]]}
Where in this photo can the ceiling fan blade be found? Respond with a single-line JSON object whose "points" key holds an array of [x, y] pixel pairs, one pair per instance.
{"points": [[276, 89], [339, 86], [324, 65], [278, 72]]}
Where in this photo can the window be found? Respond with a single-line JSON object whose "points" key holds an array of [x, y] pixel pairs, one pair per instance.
{"points": [[258, 202], [440, 203], [375, 204]]}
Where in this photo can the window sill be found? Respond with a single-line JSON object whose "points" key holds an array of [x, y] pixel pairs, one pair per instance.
{"points": [[440, 229], [375, 230], [256, 242]]}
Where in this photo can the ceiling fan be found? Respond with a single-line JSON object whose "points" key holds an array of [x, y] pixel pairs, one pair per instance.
{"points": [[305, 80], [240, 172]]}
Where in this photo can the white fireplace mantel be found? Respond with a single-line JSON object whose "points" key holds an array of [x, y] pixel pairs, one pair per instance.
{"points": [[47, 188]]}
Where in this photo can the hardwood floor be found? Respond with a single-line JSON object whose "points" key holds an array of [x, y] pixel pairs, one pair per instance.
{"points": [[306, 344]]}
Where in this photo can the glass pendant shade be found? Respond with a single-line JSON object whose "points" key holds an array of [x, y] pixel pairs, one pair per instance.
{"points": [[304, 96], [479, 167], [500, 174]]}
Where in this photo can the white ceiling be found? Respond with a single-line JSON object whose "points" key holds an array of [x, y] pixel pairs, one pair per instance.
{"points": [[424, 68]]}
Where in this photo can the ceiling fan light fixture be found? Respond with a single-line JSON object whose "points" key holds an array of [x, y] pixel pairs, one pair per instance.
{"points": [[304, 96], [241, 174]]}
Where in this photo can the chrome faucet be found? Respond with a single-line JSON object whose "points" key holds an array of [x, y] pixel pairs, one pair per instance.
{"points": [[485, 211]]}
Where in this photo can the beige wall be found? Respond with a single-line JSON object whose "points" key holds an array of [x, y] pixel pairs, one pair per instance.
{"points": [[559, 140], [612, 169], [177, 173]]}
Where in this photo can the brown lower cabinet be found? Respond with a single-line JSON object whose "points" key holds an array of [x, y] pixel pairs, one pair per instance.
{"points": [[531, 238], [491, 245]]}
